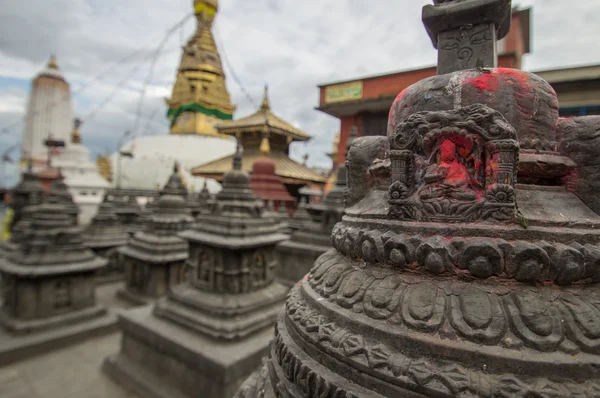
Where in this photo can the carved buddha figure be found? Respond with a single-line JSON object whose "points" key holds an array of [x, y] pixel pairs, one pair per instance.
{"points": [[448, 178]]}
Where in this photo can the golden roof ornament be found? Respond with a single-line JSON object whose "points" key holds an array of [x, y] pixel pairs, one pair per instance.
{"points": [[52, 64], [265, 146], [265, 106], [75, 135]]}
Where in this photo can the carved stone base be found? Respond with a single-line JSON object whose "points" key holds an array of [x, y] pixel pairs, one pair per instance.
{"points": [[23, 326], [354, 330], [160, 359], [228, 317]]}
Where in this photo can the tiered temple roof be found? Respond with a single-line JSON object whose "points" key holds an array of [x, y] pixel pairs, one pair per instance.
{"points": [[260, 133]]}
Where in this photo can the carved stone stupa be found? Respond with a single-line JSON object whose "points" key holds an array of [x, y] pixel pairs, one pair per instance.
{"points": [[312, 237], [104, 236], [439, 284], [155, 258], [49, 280], [210, 333]]}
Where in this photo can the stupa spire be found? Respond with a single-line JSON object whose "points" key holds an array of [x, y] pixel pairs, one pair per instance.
{"points": [[200, 97]]}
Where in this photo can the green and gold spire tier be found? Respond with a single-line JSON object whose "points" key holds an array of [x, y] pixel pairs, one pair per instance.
{"points": [[200, 98]]}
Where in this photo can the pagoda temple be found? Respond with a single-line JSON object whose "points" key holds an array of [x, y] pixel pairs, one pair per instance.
{"points": [[264, 133], [49, 114], [200, 97]]}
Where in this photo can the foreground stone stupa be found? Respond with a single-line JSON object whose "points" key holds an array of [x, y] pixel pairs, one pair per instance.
{"points": [[210, 333], [439, 284]]}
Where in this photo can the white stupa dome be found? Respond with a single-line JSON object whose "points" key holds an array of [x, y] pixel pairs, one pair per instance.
{"points": [[154, 156]]}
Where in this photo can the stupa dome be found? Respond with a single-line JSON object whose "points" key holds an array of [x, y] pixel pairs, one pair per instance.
{"points": [[527, 102]]}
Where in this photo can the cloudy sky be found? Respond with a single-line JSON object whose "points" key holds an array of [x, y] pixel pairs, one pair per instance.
{"points": [[293, 46]]}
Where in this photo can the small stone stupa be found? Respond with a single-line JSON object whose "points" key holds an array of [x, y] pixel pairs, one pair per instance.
{"points": [[300, 216], [155, 258], [209, 334], [128, 211], [439, 284], [26, 195], [312, 237], [104, 236], [49, 279]]}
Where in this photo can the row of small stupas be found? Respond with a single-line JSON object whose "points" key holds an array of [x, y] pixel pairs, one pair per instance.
{"points": [[218, 271]]}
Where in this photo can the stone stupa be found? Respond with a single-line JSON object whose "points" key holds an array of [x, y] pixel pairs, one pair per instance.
{"points": [[155, 259], [439, 284], [210, 333], [105, 235], [311, 237], [49, 284]]}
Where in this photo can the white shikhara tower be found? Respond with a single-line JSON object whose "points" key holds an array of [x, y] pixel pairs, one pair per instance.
{"points": [[49, 113]]}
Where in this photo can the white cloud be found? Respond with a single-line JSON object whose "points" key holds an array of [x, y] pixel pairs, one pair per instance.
{"points": [[291, 45]]}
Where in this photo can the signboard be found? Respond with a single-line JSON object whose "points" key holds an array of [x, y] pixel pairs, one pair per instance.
{"points": [[344, 92]]}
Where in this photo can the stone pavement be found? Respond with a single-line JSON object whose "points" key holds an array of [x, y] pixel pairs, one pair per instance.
{"points": [[70, 372]]}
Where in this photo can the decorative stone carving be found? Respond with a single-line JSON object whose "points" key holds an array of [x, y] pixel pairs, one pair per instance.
{"points": [[440, 285], [454, 166], [210, 333]]}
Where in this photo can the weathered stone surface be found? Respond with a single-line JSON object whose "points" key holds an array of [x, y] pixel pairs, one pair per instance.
{"points": [[579, 139], [527, 102]]}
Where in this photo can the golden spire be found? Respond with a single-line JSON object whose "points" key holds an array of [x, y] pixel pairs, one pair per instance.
{"points": [[52, 62], [265, 146], [75, 135], [265, 106], [200, 99]]}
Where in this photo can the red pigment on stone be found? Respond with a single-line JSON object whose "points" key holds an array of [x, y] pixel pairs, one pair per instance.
{"points": [[491, 81], [485, 82]]}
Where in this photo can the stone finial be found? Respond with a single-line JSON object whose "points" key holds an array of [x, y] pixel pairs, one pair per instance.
{"points": [[465, 32]]}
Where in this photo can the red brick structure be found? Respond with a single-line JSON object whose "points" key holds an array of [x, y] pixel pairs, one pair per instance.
{"points": [[365, 102], [267, 185]]}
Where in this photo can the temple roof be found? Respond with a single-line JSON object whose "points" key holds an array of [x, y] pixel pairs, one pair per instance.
{"points": [[264, 121], [290, 171]]}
